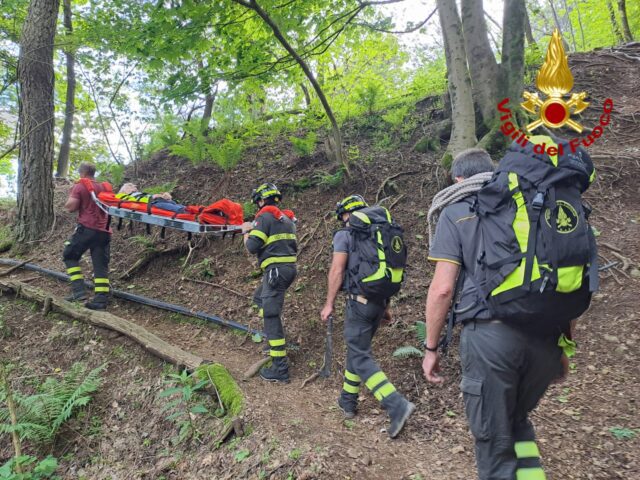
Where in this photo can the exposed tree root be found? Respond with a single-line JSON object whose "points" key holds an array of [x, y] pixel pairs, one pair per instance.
{"points": [[146, 339], [255, 368], [151, 255]]}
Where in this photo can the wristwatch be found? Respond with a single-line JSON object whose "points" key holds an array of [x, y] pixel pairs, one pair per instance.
{"points": [[434, 349]]}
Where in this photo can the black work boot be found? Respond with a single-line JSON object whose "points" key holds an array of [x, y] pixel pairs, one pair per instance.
{"points": [[277, 372], [99, 302], [399, 410], [348, 403], [78, 292]]}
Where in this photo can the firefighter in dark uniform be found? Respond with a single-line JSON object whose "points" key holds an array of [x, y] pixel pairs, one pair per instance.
{"points": [[363, 316], [272, 238], [92, 233]]}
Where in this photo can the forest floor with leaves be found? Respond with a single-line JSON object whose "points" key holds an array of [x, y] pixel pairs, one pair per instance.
{"points": [[587, 427]]}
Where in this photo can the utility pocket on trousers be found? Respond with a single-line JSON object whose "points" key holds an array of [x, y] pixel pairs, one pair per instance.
{"points": [[473, 404]]}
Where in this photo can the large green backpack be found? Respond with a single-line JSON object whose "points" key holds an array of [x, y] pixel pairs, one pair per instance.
{"points": [[378, 245], [537, 262]]}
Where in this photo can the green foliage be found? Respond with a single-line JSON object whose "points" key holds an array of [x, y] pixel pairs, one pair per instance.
{"points": [[249, 209], [328, 181], [225, 150], [41, 415], [229, 391], [407, 351], [6, 238], [110, 172], [368, 95], [241, 455], [622, 433], [306, 145], [32, 469], [184, 405]]}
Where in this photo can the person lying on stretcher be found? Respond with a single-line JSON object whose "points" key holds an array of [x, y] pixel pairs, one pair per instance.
{"points": [[130, 192]]}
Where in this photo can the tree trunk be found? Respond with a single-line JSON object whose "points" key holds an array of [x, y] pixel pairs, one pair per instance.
{"points": [[305, 92], [463, 132], [556, 20], [614, 23], [622, 9], [482, 62], [527, 30], [568, 17], [513, 49], [577, 7], [336, 135], [36, 118], [209, 99], [67, 129]]}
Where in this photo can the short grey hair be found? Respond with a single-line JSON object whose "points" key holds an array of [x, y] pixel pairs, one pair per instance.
{"points": [[470, 162]]}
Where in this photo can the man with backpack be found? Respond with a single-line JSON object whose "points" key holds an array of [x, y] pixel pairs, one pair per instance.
{"points": [[92, 233], [272, 238], [368, 262], [521, 255]]}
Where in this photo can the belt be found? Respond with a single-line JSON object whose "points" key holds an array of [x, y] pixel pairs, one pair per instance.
{"points": [[364, 300]]}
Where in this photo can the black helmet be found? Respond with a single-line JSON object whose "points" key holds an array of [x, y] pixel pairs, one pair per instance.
{"points": [[264, 191], [350, 204]]}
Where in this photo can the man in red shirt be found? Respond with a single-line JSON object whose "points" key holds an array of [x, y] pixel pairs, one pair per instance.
{"points": [[92, 233]]}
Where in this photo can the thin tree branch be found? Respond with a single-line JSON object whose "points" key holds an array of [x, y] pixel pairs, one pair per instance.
{"points": [[398, 32]]}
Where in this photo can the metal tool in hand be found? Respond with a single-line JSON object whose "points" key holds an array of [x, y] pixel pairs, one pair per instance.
{"points": [[325, 371]]}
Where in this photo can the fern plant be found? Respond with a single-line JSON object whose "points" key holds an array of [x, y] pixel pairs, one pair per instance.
{"points": [[41, 415], [408, 351]]}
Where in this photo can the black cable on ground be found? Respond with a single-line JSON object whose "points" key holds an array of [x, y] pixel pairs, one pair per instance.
{"points": [[139, 298]]}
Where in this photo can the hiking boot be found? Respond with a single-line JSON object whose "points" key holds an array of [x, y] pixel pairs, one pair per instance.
{"points": [[78, 292], [348, 403], [399, 410], [277, 372], [99, 302]]}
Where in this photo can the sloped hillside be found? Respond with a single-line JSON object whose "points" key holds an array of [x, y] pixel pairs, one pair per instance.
{"points": [[298, 433]]}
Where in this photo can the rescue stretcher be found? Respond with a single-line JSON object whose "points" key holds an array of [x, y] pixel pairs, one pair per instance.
{"points": [[220, 218]]}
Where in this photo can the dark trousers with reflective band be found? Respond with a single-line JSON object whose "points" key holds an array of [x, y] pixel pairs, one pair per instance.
{"points": [[505, 372], [98, 243], [269, 298], [361, 323]]}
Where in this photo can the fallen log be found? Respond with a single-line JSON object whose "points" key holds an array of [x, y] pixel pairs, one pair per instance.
{"points": [[150, 342], [255, 368], [14, 268]]}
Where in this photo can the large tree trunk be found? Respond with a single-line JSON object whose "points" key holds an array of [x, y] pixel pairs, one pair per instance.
{"points": [[622, 9], [36, 117], [482, 62], [335, 140], [463, 132], [67, 129], [614, 23], [513, 48], [527, 30]]}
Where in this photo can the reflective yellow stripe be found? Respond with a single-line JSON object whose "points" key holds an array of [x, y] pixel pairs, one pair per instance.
{"points": [[278, 342], [388, 214], [436, 259], [521, 228], [75, 277], [73, 270], [382, 262], [268, 192], [279, 236], [592, 177], [272, 260], [569, 278], [384, 391], [540, 139], [350, 388], [257, 233], [352, 376], [261, 313], [355, 204], [278, 353], [527, 449], [530, 474], [361, 216], [101, 289], [376, 379], [101, 280]]}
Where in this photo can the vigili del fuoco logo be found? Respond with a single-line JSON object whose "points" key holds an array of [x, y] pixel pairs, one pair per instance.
{"points": [[553, 110]]}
